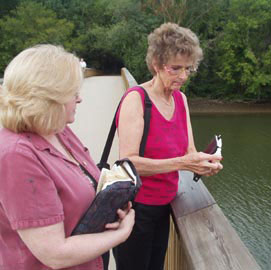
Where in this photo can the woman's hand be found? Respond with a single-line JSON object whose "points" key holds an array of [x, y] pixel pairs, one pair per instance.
{"points": [[126, 220], [202, 163]]}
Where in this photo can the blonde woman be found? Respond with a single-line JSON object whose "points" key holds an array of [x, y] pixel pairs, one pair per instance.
{"points": [[173, 55], [45, 171]]}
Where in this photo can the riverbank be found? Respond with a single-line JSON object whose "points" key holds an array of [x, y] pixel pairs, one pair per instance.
{"points": [[201, 105]]}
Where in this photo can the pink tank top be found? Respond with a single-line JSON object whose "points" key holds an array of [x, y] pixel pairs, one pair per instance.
{"points": [[166, 139]]}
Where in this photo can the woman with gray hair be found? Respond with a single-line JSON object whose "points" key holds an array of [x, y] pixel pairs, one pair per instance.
{"points": [[47, 176], [173, 55]]}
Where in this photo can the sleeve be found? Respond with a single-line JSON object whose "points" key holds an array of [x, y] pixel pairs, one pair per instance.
{"points": [[28, 195]]}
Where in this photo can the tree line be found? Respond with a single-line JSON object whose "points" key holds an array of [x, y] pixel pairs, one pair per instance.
{"points": [[109, 34]]}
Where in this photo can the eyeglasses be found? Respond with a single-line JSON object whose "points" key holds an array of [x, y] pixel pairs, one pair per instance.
{"points": [[77, 95], [177, 70]]}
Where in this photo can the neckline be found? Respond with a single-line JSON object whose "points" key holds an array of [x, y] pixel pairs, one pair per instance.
{"points": [[174, 112]]}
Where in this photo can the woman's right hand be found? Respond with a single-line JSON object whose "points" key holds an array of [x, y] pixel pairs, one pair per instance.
{"points": [[202, 163], [125, 223]]}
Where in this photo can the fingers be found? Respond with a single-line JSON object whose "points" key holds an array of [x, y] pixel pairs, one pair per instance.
{"points": [[213, 169], [122, 214], [128, 222], [211, 161], [112, 226], [211, 158], [131, 216], [216, 166], [205, 164], [129, 206]]}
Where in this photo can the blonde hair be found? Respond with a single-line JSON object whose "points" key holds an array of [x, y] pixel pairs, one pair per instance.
{"points": [[168, 41], [37, 83]]}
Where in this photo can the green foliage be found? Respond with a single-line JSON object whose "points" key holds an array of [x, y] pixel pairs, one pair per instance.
{"points": [[235, 36], [244, 49], [173, 11], [29, 24], [7, 6], [121, 40]]}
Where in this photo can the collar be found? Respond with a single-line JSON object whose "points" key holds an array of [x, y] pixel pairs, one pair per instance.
{"points": [[42, 144]]}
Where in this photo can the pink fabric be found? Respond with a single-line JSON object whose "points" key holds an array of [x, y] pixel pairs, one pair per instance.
{"points": [[40, 187], [166, 139]]}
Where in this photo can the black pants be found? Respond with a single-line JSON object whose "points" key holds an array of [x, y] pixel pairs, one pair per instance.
{"points": [[146, 247], [105, 258]]}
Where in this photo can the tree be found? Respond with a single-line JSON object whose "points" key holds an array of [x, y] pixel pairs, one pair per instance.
{"points": [[170, 10], [7, 6], [29, 24], [244, 50], [118, 38], [235, 36]]}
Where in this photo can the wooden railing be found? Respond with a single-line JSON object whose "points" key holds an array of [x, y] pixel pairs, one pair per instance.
{"points": [[201, 237], [128, 79], [89, 72]]}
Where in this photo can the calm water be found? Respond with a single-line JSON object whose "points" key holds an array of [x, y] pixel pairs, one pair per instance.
{"points": [[243, 188]]}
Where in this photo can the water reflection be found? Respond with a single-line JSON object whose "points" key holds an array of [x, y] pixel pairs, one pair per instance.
{"points": [[243, 188]]}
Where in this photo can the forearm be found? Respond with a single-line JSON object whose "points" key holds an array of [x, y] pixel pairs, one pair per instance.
{"points": [[49, 245], [78, 249], [147, 166], [192, 161]]}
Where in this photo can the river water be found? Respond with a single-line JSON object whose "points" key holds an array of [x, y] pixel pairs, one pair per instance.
{"points": [[243, 188]]}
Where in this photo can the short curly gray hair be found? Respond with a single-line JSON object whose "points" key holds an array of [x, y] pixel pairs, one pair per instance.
{"points": [[168, 41]]}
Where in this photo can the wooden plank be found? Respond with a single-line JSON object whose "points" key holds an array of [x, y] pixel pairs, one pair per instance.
{"points": [[89, 72], [175, 257], [128, 78], [211, 243], [192, 196]]}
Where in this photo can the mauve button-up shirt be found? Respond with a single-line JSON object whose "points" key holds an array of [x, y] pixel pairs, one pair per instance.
{"points": [[40, 187]]}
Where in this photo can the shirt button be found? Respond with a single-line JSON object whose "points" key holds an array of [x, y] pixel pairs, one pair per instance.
{"points": [[85, 163]]}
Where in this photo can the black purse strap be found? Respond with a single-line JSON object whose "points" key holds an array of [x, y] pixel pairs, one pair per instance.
{"points": [[147, 116], [147, 119], [88, 174]]}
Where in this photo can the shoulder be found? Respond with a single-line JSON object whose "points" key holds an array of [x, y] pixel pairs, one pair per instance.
{"points": [[132, 106], [180, 94], [18, 154], [133, 98], [181, 97], [12, 143], [135, 93]]}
